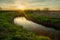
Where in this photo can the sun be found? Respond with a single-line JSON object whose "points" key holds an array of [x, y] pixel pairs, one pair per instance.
{"points": [[21, 7]]}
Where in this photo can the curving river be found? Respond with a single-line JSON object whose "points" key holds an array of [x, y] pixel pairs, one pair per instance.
{"points": [[39, 29]]}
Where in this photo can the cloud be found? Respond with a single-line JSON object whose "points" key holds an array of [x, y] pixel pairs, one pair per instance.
{"points": [[32, 3], [47, 2], [6, 1]]}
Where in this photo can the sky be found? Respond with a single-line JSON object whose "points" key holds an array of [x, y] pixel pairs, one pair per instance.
{"points": [[31, 4]]}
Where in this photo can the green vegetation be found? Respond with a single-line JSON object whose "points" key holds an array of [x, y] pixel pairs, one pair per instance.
{"points": [[10, 31], [42, 38], [44, 20]]}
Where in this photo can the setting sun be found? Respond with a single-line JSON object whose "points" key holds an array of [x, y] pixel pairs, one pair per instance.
{"points": [[22, 7]]}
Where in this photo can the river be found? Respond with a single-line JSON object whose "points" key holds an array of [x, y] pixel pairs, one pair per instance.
{"points": [[39, 29]]}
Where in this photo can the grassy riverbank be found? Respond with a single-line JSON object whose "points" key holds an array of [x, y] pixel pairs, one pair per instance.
{"points": [[10, 31], [46, 21]]}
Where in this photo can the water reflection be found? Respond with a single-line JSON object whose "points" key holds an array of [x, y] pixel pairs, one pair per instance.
{"points": [[29, 24]]}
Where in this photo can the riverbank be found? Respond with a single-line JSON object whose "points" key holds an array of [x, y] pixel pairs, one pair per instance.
{"points": [[46, 21]]}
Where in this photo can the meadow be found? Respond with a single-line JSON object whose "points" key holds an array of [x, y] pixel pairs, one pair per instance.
{"points": [[51, 20], [10, 31], [46, 21]]}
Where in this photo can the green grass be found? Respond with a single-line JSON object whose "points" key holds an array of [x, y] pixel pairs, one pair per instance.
{"points": [[43, 18], [10, 31], [43, 38]]}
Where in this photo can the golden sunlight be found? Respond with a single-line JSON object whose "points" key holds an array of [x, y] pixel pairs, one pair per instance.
{"points": [[22, 7]]}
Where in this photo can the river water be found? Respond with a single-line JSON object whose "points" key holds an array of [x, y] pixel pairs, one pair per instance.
{"points": [[32, 26]]}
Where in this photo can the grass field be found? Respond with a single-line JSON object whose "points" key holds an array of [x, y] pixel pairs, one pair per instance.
{"points": [[46, 21], [10, 31]]}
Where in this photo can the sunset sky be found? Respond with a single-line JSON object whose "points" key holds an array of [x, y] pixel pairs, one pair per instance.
{"points": [[31, 4]]}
